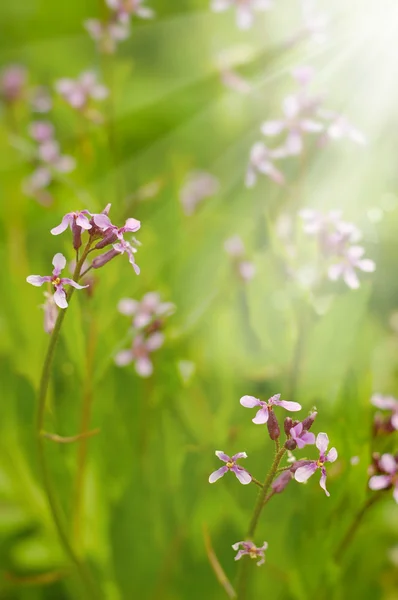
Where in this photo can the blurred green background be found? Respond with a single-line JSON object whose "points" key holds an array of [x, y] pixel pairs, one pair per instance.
{"points": [[144, 503]]}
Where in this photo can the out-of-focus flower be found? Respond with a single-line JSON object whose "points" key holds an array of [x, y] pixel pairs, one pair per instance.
{"points": [[242, 475], [265, 407], [41, 131], [12, 83], [50, 312], [149, 309], [261, 161], [251, 550], [59, 262], [294, 123], [387, 403], [280, 483], [107, 35], [301, 437], [78, 92], [40, 99], [350, 260], [198, 186], [139, 353], [303, 473], [124, 9], [245, 9], [235, 248], [338, 127], [388, 465]]}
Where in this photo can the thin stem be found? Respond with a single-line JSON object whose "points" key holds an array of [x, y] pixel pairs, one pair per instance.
{"points": [[257, 482], [262, 499], [53, 504], [86, 271], [350, 534]]}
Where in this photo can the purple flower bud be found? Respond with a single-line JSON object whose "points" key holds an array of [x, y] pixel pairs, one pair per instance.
{"points": [[308, 421], [273, 426], [77, 235], [290, 444], [102, 259], [281, 482], [110, 237], [287, 425]]}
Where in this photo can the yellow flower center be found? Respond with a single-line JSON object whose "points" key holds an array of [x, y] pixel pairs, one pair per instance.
{"points": [[56, 281], [319, 463], [253, 553], [230, 464]]}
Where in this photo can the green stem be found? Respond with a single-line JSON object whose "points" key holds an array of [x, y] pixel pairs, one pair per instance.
{"points": [[262, 499], [53, 503]]}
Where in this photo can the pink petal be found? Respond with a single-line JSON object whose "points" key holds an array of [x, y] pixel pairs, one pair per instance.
{"points": [[144, 367], [132, 225], [239, 455], [309, 438], [366, 265], [83, 222], [249, 401], [322, 482], [394, 420], [261, 416], [322, 442], [37, 280], [222, 456], [155, 341], [304, 473], [311, 126], [67, 219], [335, 271], [102, 221], [294, 143], [291, 406], [123, 358], [291, 107], [244, 17], [242, 475], [59, 262], [60, 297], [351, 278], [332, 455], [217, 474], [379, 482], [127, 306], [272, 127], [384, 402], [388, 464], [77, 286]]}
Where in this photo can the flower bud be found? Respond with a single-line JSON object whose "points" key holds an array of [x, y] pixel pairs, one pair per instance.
{"points": [[110, 237], [308, 421], [290, 444], [273, 426], [102, 259], [77, 235], [287, 425], [281, 482]]}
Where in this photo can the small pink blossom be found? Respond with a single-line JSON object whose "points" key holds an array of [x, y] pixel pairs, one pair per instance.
{"points": [[73, 219], [387, 403], [350, 260], [147, 310], [12, 82], [59, 262], [251, 550], [124, 9], [262, 415], [245, 9], [50, 312], [107, 35], [308, 468], [235, 248], [261, 161], [388, 465], [139, 353], [301, 436], [242, 475], [78, 92]]}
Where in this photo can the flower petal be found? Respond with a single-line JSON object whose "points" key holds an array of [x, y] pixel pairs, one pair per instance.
{"points": [[322, 442], [322, 481], [384, 402], [37, 280], [102, 221], [83, 222], [332, 455], [144, 366], [379, 482], [242, 475], [59, 262], [127, 306], [217, 474], [304, 473], [123, 358], [309, 438], [387, 463], [222, 456], [366, 265], [239, 455], [66, 220], [261, 416], [60, 297], [67, 281], [132, 225], [292, 406], [250, 401], [272, 127]]}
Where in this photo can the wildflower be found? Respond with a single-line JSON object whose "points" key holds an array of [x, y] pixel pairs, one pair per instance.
{"points": [[235, 248], [245, 9], [241, 473], [198, 186], [50, 312], [59, 262], [261, 160], [263, 414], [339, 127], [301, 437], [78, 92], [387, 403], [144, 312], [251, 550], [389, 466], [139, 353], [295, 123], [107, 34], [349, 261], [40, 99], [112, 232], [41, 131], [123, 247], [303, 473], [12, 82], [72, 220], [126, 8]]}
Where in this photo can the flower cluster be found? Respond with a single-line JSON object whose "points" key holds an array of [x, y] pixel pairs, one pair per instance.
{"points": [[337, 244], [101, 233], [383, 471], [235, 248], [302, 115], [148, 319], [245, 9], [385, 403], [48, 161], [297, 436], [116, 27], [81, 92]]}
